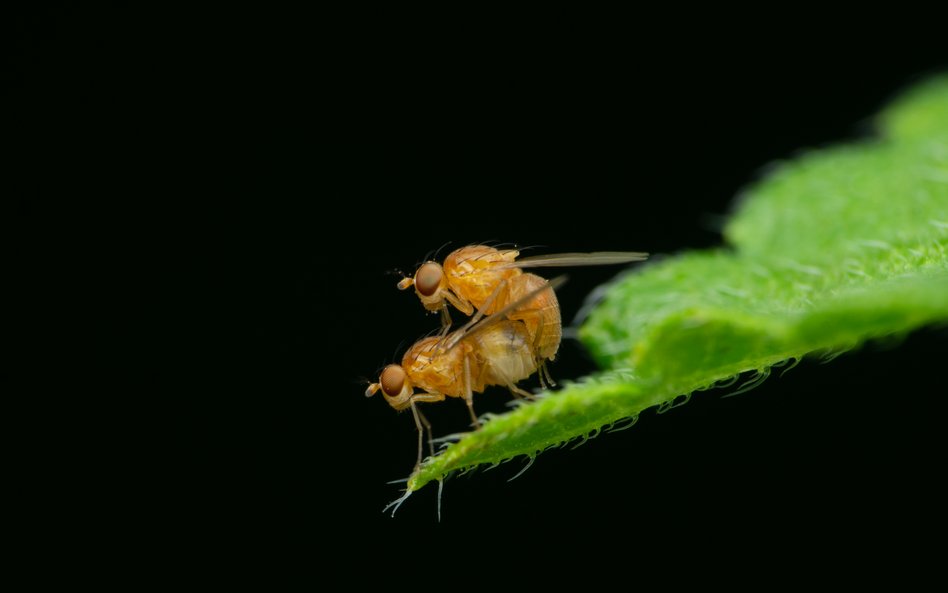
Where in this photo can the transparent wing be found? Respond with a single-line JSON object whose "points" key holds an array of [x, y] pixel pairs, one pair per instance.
{"points": [[455, 338], [595, 258]]}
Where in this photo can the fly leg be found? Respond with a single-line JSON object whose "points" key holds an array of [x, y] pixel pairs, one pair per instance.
{"points": [[414, 411], [468, 395], [445, 323], [537, 357], [519, 393], [544, 370], [546, 381], [420, 421], [501, 286], [461, 304]]}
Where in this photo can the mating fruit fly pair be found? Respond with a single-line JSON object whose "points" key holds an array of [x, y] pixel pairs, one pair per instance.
{"points": [[515, 327]]}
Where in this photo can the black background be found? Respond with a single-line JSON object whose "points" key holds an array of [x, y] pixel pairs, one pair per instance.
{"points": [[276, 176]]}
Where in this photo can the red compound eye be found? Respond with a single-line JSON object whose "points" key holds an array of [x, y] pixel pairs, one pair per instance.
{"points": [[428, 278], [392, 380]]}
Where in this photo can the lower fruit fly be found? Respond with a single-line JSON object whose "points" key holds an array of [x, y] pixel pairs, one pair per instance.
{"points": [[492, 350]]}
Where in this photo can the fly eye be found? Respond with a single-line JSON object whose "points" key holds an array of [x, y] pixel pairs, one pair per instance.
{"points": [[392, 380], [428, 278]]}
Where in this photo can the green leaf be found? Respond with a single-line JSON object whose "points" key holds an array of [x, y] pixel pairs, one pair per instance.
{"points": [[834, 248]]}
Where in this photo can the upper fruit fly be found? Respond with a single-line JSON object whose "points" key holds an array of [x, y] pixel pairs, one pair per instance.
{"points": [[483, 278], [492, 350]]}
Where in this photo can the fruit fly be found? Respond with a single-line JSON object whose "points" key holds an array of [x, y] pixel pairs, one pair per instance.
{"points": [[493, 350], [478, 277]]}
